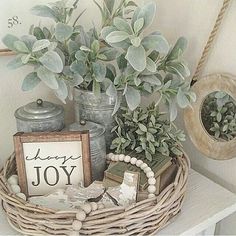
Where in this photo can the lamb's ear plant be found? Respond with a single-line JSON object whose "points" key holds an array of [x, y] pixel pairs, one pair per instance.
{"points": [[147, 63], [146, 131], [47, 49], [219, 116]]}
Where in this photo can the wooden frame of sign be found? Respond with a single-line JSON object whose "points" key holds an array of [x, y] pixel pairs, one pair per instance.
{"points": [[48, 161], [204, 142]]}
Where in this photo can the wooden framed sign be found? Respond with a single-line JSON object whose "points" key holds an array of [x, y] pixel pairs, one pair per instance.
{"points": [[49, 161], [16, 18]]}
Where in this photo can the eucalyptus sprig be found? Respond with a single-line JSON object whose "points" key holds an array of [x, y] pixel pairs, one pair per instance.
{"points": [[146, 131]]}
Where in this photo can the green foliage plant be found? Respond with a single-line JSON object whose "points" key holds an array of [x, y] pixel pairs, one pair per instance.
{"points": [[146, 131], [219, 115]]}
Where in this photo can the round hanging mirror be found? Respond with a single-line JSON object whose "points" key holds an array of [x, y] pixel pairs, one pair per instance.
{"points": [[211, 122]]}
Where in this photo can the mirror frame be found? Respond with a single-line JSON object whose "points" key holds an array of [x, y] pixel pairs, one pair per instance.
{"points": [[204, 142]]}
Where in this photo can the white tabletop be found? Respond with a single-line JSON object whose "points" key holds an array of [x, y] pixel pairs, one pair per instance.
{"points": [[206, 203]]}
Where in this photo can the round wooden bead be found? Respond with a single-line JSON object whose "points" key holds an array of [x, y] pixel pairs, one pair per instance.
{"points": [[143, 166], [151, 195], [117, 158], [80, 215], [86, 208], [151, 189], [13, 180], [21, 195], [76, 225], [139, 163], [150, 174], [147, 169], [15, 188], [127, 159], [109, 156], [133, 160], [121, 157], [94, 206], [151, 181], [113, 158]]}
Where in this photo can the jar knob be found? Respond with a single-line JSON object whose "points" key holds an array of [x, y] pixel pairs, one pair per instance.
{"points": [[83, 122], [39, 102]]}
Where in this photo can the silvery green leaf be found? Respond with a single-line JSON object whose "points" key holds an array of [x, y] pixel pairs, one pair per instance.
{"points": [[116, 36], [147, 12], [136, 41], [52, 61], [81, 56], [63, 32], [9, 41], [107, 30], [21, 47], [84, 48], [173, 111], [151, 65], [182, 99], [44, 11], [73, 47], [62, 91], [38, 33], [78, 79], [147, 87], [40, 45], [78, 67], [29, 41], [133, 98], [67, 72], [136, 56], [47, 77], [117, 105], [122, 62], [137, 81], [110, 53], [95, 46], [156, 42], [177, 68], [102, 57], [61, 54], [47, 33], [52, 46], [25, 58], [111, 90], [138, 25], [142, 127], [178, 49], [151, 79], [122, 25], [99, 71], [111, 72], [30, 81], [15, 63], [192, 96]]}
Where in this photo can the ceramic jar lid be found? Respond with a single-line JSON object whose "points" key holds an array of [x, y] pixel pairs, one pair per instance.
{"points": [[95, 130], [39, 110]]}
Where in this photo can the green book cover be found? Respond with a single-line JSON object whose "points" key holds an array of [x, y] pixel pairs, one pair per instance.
{"points": [[159, 164]]}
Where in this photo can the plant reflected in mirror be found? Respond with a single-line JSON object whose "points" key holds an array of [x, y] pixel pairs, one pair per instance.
{"points": [[219, 116]]}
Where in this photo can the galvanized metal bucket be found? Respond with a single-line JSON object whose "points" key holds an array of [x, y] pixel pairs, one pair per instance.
{"points": [[97, 109]]}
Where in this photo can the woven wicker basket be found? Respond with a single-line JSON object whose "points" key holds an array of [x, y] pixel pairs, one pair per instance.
{"points": [[145, 217]]}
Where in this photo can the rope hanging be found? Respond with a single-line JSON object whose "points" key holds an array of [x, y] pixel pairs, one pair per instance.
{"points": [[206, 51]]}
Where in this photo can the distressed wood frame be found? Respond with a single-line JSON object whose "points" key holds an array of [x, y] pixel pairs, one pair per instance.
{"points": [[20, 138], [205, 143]]}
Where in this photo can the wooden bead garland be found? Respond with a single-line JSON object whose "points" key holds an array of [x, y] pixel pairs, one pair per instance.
{"points": [[82, 213], [143, 166]]}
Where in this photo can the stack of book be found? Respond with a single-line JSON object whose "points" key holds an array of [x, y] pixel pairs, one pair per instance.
{"points": [[162, 166]]}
